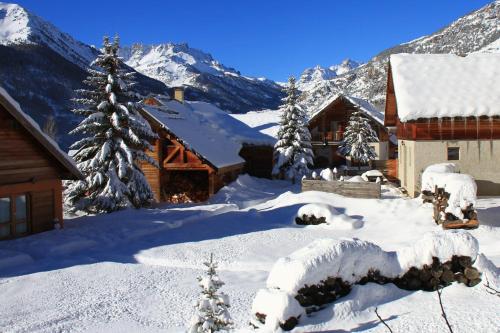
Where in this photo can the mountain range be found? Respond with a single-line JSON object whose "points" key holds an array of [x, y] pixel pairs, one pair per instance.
{"points": [[41, 66]]}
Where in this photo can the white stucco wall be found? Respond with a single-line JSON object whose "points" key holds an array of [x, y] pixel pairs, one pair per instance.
{"points": [[381, 149], [479, 158]]}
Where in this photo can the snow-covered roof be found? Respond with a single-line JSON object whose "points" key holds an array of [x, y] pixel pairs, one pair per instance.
{"points": [[32, 127], [207, 130], [446, 85], [366, 107]]}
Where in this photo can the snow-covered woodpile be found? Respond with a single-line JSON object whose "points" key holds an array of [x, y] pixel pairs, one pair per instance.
{"points": [[327, 269], [452, 194], [315, 213]]}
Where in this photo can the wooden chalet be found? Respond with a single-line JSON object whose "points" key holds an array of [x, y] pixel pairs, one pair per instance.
{"points": [[31, 171], [328, 124], [200, 148], [446, 108]]}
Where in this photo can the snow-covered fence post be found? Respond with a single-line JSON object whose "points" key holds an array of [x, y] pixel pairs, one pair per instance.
{"points": [[212, 312], [293, 152]]}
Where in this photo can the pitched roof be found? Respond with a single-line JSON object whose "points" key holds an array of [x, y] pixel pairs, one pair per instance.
{"points": [[446, 85], [206, 130], [32, 127], [366, 107]]}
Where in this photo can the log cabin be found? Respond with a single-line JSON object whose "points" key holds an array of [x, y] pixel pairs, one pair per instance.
{"points": [[32, 168], [327, 126], [444, 107], [200, 148]]}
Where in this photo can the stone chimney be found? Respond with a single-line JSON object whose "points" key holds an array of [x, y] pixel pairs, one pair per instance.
{"points": [[178, 94]]}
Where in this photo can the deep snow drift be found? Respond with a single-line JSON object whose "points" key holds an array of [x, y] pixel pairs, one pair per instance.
{"points": [[135, 270]]}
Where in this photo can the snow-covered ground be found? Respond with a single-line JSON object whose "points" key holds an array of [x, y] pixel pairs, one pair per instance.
{"points": [[135, 270]]}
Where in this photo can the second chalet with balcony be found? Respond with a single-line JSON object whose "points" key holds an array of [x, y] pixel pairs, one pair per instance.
{"points": [[328, 124]]}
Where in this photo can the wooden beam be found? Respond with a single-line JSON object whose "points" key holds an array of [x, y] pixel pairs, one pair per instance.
{"points": [[30, 186], [186, 166], [171, 155]]}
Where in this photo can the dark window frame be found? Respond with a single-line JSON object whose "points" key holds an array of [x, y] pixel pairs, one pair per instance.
{"points": [[453, 154], [12, 223]]}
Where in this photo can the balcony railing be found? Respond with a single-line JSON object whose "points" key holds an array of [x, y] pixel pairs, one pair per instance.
{"points": [[328, 136]]}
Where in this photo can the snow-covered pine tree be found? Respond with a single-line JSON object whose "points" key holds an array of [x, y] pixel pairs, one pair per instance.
{"points": [[115, 139], [293, 152], [357, 138], [212, 308]]}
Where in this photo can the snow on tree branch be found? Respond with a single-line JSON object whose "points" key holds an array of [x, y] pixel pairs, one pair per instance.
{"points": [[116, 138]]}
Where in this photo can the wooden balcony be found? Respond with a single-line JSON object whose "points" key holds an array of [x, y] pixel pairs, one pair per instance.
{"points": [[329, 136]]}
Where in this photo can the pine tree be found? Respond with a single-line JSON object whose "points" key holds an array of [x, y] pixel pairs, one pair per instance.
{"points": [[115, 139], [212, 308], [293, 152], [357, 138]]}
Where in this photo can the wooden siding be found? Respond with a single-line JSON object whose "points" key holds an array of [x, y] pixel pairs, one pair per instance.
{"points": [[258, 160], [151, 172], [22, 158], [450, 129], [391, 113], [348, 189], [42, 210], [44, 199]]}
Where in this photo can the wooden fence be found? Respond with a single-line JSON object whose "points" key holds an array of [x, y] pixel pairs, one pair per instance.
{"points": [[348, 189]]}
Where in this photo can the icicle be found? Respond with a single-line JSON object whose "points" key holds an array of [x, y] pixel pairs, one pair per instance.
{"points": [[429, 127]]}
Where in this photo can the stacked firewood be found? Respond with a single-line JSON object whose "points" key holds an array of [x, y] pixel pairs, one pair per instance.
{"points": [[181, 188], [439, 198]]}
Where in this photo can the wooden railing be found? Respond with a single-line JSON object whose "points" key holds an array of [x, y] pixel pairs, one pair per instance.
{"points": [[329, 136]]}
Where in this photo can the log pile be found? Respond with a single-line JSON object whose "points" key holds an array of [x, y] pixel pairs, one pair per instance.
{"points": [[439, 198], [185, 187], [309, 220], [428, 278]]}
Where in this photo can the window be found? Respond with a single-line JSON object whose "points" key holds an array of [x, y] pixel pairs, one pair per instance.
{"points": [[453, 153], [13, 216], [4, 217]]}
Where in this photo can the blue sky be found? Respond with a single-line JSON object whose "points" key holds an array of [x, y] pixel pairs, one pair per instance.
{"points": [[259, 38]]}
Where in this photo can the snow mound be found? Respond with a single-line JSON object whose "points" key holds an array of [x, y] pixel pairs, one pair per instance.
{"points": [[333, 217], [351, 260], [12, 258], [461, 187], [277, 305], [327, 174], [373, 173], [441, 244], [356, 179]]}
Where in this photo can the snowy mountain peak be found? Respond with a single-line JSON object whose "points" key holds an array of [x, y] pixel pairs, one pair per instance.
{"points": [[14, 24], [207, 79], [174, 64], [311, 77], [19, 26]]}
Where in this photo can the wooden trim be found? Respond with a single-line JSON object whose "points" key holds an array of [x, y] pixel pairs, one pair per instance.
{"points": [[171, 155], [231, 168], [49, 146], [30, 187]]}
